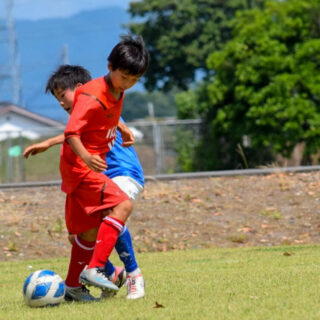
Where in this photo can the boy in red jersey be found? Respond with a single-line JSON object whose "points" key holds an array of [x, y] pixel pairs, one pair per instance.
{"points": [[63, 84], [89, 134]]}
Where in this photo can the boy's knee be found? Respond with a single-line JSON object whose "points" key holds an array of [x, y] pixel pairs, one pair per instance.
{"points": [[127, 206], [121, 211], [71, 238], [89, 235]]}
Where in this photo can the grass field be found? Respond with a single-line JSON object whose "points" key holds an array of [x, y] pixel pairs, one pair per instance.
{"points": [[247, 283]]}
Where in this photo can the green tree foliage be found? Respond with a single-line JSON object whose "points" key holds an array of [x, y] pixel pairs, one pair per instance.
{"points": [[266, 86], [186, 148], [180, 34]]}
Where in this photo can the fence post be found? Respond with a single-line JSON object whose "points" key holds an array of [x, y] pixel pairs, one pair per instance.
{"points": [[21, 159], [8, 158], [156, 131], [158, 147], [1, 164]]}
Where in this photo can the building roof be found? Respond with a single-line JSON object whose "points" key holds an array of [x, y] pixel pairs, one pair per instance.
{"points": [[11, 131], [6, 107]]}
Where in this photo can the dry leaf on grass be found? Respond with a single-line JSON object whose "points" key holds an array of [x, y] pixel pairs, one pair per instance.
{"points": [[158, 305]]}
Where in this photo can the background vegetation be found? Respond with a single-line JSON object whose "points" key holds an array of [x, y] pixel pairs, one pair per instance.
{"points": [[249, 69]]}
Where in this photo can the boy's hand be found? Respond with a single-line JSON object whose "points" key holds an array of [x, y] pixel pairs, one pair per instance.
{"points": [[43, 146], [35, 149], [126, 134], [95, 163], [127, 138]]}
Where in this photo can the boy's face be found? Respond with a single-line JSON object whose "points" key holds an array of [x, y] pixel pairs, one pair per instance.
{"points": [[65, 97], [121, 80]]}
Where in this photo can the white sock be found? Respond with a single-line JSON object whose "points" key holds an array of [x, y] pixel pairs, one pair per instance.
{"points": [[134, 273]]}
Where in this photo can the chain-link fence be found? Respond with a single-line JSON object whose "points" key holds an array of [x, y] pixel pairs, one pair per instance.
{"points": [[160, 146]]}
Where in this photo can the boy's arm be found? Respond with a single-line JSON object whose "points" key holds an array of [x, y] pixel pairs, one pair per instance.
{"points": [[43, 146], [93, 161], [126, 134]]}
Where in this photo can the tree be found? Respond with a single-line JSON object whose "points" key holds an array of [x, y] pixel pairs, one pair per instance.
{"points": [[265, 88], [180, 34]]}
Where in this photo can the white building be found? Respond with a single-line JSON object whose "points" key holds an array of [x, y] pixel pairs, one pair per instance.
{"points": [[16, 121]]}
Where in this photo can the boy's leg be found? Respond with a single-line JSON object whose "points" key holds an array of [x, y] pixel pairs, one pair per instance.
{"points": [[81, 253], [115, 274], [125, 250], [107, 237], [91, 235], [135, 281], [110, 268], [108, 233], [124, 244], [77, 221], [96, 194]]}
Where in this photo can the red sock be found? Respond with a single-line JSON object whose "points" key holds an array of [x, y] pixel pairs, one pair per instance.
{"points": [[81, 254], [105, 242]]}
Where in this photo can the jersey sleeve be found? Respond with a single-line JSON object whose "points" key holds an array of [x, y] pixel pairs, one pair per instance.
{"points": [[83, 111]]}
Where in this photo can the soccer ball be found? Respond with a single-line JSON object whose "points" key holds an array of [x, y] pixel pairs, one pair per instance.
{"points": [[43, 288]]}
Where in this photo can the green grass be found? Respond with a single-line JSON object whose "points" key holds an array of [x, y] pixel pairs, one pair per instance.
{"points": [[44, 166], [249, 283]]}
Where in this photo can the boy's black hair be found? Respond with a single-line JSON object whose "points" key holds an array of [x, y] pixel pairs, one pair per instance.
{"points": [[130, 55], [67, 77]]}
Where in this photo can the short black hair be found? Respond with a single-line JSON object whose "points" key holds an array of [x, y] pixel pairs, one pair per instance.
{"points": [[130, 55], [67, 77]]}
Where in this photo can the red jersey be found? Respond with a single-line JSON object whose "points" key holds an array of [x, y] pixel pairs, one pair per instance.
{"points": [[94, 119]]}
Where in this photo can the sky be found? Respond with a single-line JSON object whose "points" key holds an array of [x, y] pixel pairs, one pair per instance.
{"points": [[42, 9]]}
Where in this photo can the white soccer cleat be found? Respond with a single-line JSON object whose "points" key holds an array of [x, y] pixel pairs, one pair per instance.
{"points": [[135, 287], [97, 277]]}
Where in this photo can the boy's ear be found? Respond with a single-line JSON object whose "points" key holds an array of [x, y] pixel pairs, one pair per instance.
{"points": [[79, 84], [110, 67]]}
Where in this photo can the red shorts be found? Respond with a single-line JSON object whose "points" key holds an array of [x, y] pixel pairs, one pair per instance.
{"points": [[84, 205]]}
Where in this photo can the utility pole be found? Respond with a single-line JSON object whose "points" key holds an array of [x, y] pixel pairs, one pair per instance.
{"points": [[10, 71], [65, 54]]}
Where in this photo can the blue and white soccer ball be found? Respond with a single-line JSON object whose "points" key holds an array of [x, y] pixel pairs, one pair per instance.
{"points": [[43, 288]]}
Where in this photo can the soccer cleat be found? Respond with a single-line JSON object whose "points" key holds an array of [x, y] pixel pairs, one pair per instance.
{"points": [[79, 294], [135, 286], [97, 277], [119, 279]]}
